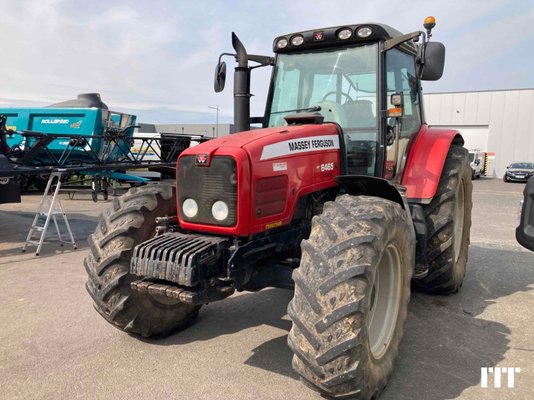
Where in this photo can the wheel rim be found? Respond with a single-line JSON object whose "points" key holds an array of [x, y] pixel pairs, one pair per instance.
{"points": [[385, 302], [459, 220]]}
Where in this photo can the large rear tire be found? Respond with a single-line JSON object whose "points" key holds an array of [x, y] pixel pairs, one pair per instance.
{"points": [[130, 221], [448, 219], [351, 296]]}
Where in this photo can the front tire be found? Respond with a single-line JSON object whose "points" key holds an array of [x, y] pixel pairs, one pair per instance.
{"points": [[448, 219], [130, 221], [351, 296]]}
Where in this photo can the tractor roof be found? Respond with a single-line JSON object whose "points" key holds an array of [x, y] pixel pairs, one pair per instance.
{"points": [[335, 36]]}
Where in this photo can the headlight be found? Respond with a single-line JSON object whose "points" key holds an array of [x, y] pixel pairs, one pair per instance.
{"points": [[364, 31], [297, 40], [190, 208], [344, 34], [282, 43], [219, 210]]}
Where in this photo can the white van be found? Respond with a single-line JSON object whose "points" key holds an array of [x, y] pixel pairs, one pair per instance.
{"points": [[477, 159]]}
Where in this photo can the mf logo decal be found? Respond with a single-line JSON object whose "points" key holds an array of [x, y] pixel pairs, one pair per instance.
{"points": [[76, 124], [304, 145], [497, 376], [318, 36], [202, 159]]}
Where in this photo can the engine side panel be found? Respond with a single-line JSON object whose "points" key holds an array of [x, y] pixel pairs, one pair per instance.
{"points": [[425, 162], [288, 165]]}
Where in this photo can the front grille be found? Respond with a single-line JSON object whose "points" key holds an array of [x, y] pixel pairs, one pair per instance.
{"points": [[206, 185]]}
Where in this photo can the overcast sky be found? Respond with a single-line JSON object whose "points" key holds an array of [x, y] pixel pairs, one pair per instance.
{"points": [[156, 58]]}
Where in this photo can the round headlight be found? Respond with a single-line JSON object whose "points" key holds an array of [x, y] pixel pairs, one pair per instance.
{"points": [[282, 43], [219, 210], [190, 208], [297, 40], [364, 31], [344, 34]]}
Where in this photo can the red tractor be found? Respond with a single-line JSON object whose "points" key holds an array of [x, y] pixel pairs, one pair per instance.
{"points": [[345, 196]]}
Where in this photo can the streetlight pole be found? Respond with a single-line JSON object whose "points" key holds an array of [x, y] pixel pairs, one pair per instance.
{"points": [[217, 120]]}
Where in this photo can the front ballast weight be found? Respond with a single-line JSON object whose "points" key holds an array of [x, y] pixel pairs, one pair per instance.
{"points": [[188, 265]]}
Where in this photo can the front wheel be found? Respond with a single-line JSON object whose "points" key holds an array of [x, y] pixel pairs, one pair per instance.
{"points": [[130, 221], [351, 296], [448, 219]]}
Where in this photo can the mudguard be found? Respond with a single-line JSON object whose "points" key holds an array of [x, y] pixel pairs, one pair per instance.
{"points": [[370, 186], [525, 231], [425, 162]]}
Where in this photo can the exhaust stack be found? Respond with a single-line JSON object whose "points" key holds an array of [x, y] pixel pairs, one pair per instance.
{"points": [[241, 87]]}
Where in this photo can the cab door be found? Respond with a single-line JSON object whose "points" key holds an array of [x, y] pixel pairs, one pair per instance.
{"points": [[401, 78]]}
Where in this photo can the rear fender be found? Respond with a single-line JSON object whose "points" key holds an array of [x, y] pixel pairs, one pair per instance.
{"points": [[525, 231], [425, 162]]}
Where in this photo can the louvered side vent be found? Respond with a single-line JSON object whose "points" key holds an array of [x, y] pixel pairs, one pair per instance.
{"points": [[270, 196]]}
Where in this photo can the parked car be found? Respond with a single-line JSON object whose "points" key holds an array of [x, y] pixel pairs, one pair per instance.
{"points": [[476, 159], [519, 172], [525, 231]]}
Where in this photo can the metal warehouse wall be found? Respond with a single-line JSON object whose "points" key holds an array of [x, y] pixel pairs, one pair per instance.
{"points": [[196, 129], [502, 119]]}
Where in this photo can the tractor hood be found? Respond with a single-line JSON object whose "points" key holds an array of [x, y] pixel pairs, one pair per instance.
{"points": [[271, 169], [273, 143]]}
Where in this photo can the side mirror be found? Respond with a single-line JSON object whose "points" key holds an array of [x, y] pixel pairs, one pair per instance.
{"points": [[525, 231], [434, 61], [220, 77]]}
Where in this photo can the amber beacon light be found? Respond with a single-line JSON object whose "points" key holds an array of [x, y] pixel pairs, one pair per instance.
{"points": [[430, 22]]}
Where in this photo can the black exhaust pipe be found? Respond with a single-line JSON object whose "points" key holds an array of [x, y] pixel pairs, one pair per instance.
{"points": [[242, 93]]}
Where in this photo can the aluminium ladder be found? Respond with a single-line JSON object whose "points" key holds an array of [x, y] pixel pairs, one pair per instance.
{"points": [[49, 209]]}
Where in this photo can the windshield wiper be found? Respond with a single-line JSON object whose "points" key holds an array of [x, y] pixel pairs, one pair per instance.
{"points": [[314, 108]]}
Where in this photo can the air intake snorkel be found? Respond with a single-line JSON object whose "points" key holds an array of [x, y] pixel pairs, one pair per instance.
{"points": [[242, 93]]}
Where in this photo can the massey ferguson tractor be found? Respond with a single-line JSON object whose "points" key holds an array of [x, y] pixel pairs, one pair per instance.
{"points": [[346, 196]]}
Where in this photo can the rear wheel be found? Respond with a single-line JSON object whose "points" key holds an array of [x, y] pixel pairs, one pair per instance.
{"points": [[448, 219], [351, 296], [130, 221]]}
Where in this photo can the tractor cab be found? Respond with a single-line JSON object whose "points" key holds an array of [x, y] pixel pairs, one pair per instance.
{"points": [[364, 78]]}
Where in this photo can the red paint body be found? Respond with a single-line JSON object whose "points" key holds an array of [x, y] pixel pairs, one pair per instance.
{"points": [[302, 170], [425, 162], [307, 172]]}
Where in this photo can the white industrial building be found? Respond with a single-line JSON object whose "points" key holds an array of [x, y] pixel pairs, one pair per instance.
{"points": [[499, 122]]}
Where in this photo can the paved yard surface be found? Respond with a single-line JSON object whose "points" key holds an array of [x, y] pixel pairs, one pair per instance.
{"points": [[53, 345]]}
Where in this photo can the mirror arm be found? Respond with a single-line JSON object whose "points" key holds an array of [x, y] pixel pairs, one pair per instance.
{"points": [[394, 42], [262, 60], [226, 54]]}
